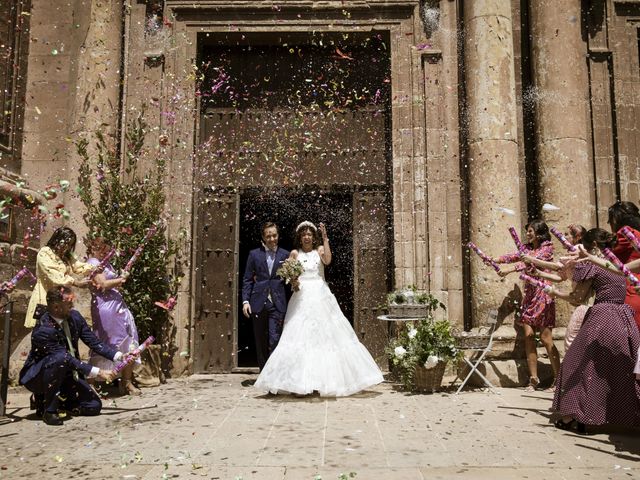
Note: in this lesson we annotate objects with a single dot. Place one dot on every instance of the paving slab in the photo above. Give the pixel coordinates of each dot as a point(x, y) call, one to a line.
point(220, 427)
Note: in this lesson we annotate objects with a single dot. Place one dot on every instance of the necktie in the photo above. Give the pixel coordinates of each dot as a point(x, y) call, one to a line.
point(271, 259)
point(72, 351)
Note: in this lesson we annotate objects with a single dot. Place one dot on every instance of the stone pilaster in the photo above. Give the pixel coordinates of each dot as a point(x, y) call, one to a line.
point(97, 95)
point(560, 98)
point(492, 143)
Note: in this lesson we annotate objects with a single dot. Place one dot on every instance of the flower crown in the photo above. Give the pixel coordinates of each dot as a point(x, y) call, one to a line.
point(306, 223)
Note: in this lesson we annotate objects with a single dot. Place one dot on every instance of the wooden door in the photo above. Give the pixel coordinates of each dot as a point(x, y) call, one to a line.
point(371, 267)
point(216, 282)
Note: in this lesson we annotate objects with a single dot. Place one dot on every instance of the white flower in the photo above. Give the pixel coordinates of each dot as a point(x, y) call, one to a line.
point(412, 333)
point(432, 361)
point(399, 351)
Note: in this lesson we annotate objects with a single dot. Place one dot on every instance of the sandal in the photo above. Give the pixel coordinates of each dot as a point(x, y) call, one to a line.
point(533, 384)
point(128, 388)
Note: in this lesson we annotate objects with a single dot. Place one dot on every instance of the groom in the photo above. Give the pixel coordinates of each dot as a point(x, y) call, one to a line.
point(263, 294)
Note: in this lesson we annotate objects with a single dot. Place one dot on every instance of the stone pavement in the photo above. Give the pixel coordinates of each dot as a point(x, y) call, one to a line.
point(219, 427)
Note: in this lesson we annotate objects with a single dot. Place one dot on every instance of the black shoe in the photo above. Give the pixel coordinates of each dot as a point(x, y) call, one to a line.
point(84, 412)
point(51, 418)
point(36, 405)
point(581, 428)
point(562, 425)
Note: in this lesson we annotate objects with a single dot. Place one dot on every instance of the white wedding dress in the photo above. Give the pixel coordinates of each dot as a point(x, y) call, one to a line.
point(318, 349)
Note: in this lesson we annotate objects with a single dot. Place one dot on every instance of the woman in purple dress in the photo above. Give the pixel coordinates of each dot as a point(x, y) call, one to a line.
point(596, 384)
point(112, 320)
point(537, 310)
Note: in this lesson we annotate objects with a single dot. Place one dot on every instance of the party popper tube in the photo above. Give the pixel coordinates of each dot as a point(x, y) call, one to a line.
point(485, 258)
point(516, 239)
point(532, 280)
point(16, 278)
point(626, 231)
point(102, 265)
point(622, 267)
point(152, 230)
point(133, 355)
point(563, 240)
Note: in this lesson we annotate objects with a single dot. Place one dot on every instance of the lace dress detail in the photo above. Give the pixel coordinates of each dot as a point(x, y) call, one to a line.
point(318, 349)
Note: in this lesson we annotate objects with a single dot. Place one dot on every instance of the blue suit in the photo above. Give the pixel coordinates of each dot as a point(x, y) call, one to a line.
point(266, 295)
point(48, 370)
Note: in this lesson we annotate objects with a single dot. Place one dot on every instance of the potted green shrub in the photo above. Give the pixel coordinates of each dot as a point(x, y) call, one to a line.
point(420, 352)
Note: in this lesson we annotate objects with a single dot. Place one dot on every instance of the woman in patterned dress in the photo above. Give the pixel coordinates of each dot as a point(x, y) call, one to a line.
point(596, 382)
point(575, 233)
point(538, 310)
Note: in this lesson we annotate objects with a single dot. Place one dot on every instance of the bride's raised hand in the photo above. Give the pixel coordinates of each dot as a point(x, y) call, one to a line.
point(323, 230)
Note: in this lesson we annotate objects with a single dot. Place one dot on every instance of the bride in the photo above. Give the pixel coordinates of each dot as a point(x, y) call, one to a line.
point(318, 349)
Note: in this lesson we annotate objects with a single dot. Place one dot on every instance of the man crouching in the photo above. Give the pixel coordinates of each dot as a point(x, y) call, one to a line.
point(53, 370)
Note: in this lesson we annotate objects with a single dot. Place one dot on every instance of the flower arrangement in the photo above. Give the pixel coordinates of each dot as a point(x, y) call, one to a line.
point(290, 271)
point(410, 303)
point(423, 343)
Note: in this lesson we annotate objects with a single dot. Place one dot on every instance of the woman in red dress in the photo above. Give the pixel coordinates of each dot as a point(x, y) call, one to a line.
point(538, 310)
point(626, 214)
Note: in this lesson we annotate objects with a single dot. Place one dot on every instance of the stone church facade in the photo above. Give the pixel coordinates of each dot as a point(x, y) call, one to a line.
point(480, 113)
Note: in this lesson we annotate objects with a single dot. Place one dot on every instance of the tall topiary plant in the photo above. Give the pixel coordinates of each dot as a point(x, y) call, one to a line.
point(122, 200)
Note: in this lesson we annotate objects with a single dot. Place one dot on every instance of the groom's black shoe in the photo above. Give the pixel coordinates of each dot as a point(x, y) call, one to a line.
point(36, 403)
point(52, 418)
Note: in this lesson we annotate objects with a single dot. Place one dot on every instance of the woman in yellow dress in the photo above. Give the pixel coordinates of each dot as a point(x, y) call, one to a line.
point(55, 264)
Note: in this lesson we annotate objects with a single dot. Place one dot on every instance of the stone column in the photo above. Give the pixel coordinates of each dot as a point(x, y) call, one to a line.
point(561, 100)
point(97, 95)
point(494, 180)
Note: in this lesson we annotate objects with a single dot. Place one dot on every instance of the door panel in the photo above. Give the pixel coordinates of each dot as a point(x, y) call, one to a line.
point(371, 266)
point(214, 328)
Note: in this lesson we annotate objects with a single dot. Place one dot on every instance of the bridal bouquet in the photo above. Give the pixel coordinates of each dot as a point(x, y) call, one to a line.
point(290, 270)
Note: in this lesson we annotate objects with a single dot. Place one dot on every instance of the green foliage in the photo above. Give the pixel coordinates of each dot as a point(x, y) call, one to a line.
point(422, 343)
point(122, 203)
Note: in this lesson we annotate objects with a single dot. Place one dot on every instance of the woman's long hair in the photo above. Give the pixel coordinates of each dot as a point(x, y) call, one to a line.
point(623, 214)
point(597, 237)
point(541, 230)
point(63, 235)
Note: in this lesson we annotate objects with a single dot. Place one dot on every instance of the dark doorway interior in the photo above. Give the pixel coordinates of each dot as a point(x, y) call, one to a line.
point(287, 207)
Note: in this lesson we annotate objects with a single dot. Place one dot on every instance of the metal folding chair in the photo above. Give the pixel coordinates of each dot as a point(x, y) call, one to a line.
point(479, 353)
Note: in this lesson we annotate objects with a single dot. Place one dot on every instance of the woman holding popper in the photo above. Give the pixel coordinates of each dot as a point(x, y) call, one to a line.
point(112, 320)
point(56, 265)
point(537, 310)
point(573, 237)
point(596, 382)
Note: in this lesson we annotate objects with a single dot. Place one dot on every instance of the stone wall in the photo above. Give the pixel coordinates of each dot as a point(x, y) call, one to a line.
point(496, 111)
point(14, 256)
